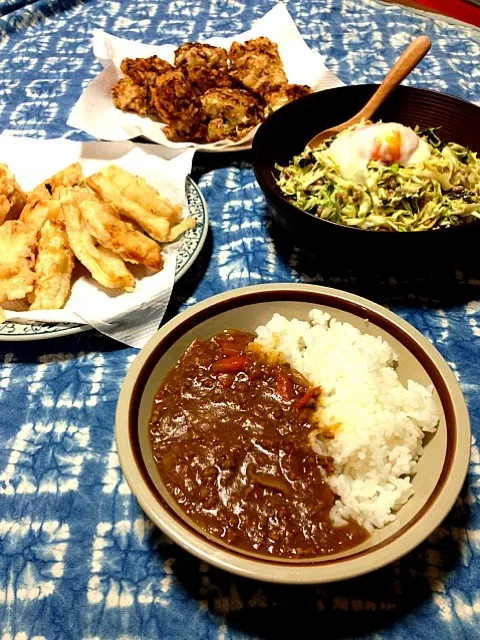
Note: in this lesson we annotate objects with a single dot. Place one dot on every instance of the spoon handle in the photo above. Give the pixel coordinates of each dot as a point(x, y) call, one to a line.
point(409, 59)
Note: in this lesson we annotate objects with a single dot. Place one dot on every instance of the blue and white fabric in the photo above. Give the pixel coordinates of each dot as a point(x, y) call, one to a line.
point(78, 558)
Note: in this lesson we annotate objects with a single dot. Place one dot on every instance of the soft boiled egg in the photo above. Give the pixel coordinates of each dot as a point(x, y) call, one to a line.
point(386, 142)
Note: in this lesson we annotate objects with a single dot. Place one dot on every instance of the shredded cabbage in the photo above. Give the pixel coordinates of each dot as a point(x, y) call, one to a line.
point(443, 191)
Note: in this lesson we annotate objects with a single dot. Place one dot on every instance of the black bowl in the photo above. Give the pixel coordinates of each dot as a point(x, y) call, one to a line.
point(286, 132)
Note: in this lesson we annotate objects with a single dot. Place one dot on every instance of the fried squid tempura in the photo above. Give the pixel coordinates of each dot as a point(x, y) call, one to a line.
point(12, 198)
point(177, 230)
point(104, 223)
point(17, 246)
point(134, 198)
point(54, 265)
point(106, 268)
point(71, 176)
point(63, 219)
point(36, 212)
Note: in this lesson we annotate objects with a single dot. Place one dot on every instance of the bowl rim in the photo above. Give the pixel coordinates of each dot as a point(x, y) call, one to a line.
point(278, 197)
point(407, 538)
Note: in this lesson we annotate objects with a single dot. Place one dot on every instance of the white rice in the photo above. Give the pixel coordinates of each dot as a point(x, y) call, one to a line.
point(378, 423)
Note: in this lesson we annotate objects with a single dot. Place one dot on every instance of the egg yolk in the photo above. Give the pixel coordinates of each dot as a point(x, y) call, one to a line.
point(388, 147)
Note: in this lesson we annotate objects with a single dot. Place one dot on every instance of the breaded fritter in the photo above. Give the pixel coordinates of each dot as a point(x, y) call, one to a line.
point(230, 113)
point(12, 198)
point(137, 68)
point(171, 97)
point(130, 93)
point(210, 94)
point(257, 65)
point(130, 96)
point(283, 94)
point(205, 66)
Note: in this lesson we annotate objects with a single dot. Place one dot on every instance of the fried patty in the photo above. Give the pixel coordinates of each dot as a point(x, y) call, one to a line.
point(131, 92)
point(137, 68)
point(210, 94)
point(172, 98)
point(229, 113)
point(130, 96)
point(257, 65)
point(204, 65)
point(283, 94)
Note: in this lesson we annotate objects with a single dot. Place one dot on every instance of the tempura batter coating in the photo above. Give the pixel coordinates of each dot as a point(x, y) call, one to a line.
point(64, 219)
point(134, 198)
point(257, 65)
point(230, 113)
point(181, 227)
point(104, 223)
point(106, 268)
point(130, 96)
point(204, 65)
point(12, 198)
point(36, 212)
point(171, 97)
point(53, 267)
point(71, 176)
point(17, 259)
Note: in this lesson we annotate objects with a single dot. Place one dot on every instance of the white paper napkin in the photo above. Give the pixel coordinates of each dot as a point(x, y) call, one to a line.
point(95, 113)
point(129, 317)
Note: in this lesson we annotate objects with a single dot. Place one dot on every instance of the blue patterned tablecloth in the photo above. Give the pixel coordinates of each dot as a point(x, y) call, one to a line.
point(78, 558)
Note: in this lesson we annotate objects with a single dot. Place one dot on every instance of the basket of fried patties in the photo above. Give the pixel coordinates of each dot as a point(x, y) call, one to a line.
point(209, 94)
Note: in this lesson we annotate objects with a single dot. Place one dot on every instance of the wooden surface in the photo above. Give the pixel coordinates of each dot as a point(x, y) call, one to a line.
point(414, 5)
point(467, 11)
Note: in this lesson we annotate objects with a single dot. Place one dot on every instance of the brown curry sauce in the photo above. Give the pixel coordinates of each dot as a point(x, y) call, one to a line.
point(230, 436)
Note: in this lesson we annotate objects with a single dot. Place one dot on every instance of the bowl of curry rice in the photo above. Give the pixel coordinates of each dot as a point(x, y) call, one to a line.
point(293, 433)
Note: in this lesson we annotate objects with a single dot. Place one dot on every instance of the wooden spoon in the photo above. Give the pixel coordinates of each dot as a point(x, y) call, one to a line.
point(400, 70)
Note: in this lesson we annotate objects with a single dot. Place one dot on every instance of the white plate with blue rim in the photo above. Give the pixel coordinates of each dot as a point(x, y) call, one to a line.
point(190, 245)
